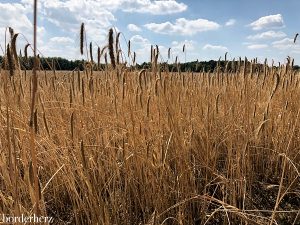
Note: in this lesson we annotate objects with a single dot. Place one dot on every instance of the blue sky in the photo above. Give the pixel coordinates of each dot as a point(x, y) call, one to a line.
point(208, 28)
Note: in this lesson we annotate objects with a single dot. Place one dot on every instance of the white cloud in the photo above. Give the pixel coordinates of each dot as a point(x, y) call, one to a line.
point(60, 46)
point(138, 39)
point(284, 41)
point(62, 40)
point(268, 22)
point(284, 44)
point(189, 45)
point(133, 28)
point(156, 7)
point(177, 47)
point(88, 12)
point(230, 22)
point(183, 26)
point(15, 15)
point(267, 35)
point(141, 46)
point(153, 7)
point(98, 16)
point(257, 46)
point(67, 15)
point(247, 43)
point(215, 47)
point(287, 46)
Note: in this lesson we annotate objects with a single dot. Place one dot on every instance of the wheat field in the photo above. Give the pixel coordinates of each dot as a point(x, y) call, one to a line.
point(120, 145)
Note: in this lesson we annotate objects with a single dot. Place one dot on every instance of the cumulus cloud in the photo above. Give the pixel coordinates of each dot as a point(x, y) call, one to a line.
point(215, 47)
point(257, 46)
point(133, 28)
point(62, 40)
point(177, 47)
point(268, 22)
point(141, 46)
point(138, 39)
point(267, 35)
point(97, 19)
point(15, 15)
point(156, 7)
point(183, 26)
point(284, 44)
point(287, 46)
point(59, 46)
point(153, 7)
point(230, 22)
point(98, 16)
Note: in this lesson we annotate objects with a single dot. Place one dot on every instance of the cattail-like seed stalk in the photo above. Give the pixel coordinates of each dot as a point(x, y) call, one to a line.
point(14, 49)
point(11, 32)
point(26, 51)
point(10, 61)
point(117, 47)
point(128, 48)
point(91, 52)
point(134, 58)
point(81, 38)
point(98, 57)
point(111, 47)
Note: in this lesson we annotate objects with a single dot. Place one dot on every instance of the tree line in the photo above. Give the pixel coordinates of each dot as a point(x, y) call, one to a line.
point(58, 63)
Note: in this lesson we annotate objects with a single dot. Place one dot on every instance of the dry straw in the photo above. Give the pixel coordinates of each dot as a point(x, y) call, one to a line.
point(143, 124)
point(32, 116)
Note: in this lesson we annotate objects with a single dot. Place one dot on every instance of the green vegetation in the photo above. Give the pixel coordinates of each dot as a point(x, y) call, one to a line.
point(69, 65)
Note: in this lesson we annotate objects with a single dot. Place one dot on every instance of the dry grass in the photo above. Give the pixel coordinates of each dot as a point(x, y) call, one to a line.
point(123, 147)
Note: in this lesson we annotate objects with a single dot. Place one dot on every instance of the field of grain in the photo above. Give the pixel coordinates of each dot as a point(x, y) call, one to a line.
point(126, 146)
point(137, 147)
